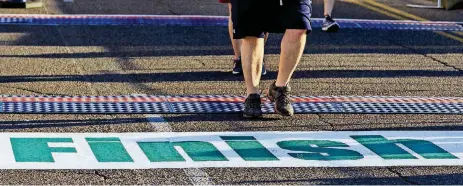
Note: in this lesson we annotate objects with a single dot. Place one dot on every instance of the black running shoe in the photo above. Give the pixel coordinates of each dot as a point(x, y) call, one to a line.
point(281, 97)
point(330, 25)
point(252, 107)
point(237, 68)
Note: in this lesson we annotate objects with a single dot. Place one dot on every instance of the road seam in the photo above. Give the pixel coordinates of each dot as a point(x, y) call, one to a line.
point(404, 178)
point(427, 56)
point(196, 175)
point(69, 51)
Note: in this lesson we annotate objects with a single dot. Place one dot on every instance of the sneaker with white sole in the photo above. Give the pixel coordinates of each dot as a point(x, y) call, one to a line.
point(330, 25)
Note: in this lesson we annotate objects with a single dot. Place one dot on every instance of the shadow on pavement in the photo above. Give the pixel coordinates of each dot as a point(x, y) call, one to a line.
point(143, 41)
point(67, 123)
point(440, 179)
point(225, 76)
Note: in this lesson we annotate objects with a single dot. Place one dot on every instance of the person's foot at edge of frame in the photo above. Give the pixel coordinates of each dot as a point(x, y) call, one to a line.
point(238, 69)
point(330, 25)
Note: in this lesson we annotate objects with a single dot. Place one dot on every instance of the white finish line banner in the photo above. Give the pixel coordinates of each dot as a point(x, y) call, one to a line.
point(229, 149)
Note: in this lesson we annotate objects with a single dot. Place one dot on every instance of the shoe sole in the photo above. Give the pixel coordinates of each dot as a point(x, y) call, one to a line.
point(331, 28)
point(275, 106)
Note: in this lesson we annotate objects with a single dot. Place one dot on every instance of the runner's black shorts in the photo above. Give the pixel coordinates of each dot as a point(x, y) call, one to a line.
point(256, 17)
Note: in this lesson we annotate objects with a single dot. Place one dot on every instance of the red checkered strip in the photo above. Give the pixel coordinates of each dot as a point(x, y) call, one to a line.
point(216, 98)
point(44, 16)
point(374, 99)
point(400, 22)
point(84, 99)
point(331, 99)
point(38, 16)
point(206, 99)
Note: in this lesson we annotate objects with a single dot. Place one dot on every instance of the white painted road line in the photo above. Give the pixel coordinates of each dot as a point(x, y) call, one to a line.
point(159, 123)
point(196, 175)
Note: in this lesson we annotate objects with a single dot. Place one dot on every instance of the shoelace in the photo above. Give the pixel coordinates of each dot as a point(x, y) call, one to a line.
point(284, 96)
point(255, 104)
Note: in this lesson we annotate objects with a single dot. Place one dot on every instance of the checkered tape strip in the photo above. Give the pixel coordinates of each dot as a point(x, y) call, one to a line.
point(387, 99)
point(212, 98)
point(222, 98)
point(206, 98)
point(82, 99)
point(234, 107)
point(81, 108)
point(226, 104)
point(395, 25)
point(206, 104)
point(197, 20)
point(401, 25)
point(403, 108)
point(157, 20)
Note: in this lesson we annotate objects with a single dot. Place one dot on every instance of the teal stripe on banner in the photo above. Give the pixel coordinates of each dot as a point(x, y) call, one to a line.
point(1, 106)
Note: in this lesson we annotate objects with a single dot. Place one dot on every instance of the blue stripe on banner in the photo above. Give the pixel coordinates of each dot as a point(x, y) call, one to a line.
point(187, 20)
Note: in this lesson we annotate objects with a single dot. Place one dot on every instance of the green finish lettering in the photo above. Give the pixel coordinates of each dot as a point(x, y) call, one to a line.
point(165, 151)
point(109, 150)
point(388, 149)
point(37, 149)
point(319, 150)
point(249, 148)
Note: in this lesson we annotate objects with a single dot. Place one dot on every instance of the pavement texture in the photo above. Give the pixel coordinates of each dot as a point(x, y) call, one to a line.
point(122, 60)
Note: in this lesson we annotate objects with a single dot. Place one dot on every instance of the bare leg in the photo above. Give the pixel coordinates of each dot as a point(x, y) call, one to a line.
point(292, 47)
point(328, 7)
point(252, 56)
point(236, 43)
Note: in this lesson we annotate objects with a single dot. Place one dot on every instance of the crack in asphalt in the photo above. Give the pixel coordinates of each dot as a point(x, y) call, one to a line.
point(33, 91)
point(427, 56)
point(95, 172)
point(321, 119)
point(101, 175)
point(404, 178)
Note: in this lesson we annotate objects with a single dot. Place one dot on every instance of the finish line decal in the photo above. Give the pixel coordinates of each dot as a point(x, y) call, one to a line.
point(198, 20)
point(225, 104)
point(230, 149)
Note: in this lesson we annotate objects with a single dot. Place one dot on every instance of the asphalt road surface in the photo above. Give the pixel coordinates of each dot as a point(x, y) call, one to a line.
point(123, 60)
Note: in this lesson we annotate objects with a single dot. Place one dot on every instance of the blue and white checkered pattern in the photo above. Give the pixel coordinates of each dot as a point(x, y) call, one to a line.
point(226, 104)
point(206, 107)
point(233, 107)
point(84, 108)
point(186, 20)
point(401, 108)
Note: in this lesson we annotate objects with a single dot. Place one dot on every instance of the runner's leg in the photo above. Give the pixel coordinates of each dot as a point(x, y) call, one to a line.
point(292, 47)
point(252, 57)
point(328, 7)
point(236, 43)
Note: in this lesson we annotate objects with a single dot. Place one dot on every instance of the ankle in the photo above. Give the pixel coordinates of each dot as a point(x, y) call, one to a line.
point(254, 95)
point(280, 84)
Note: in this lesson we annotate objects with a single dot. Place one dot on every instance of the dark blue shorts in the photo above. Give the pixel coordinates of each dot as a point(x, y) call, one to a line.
point(256, 17)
